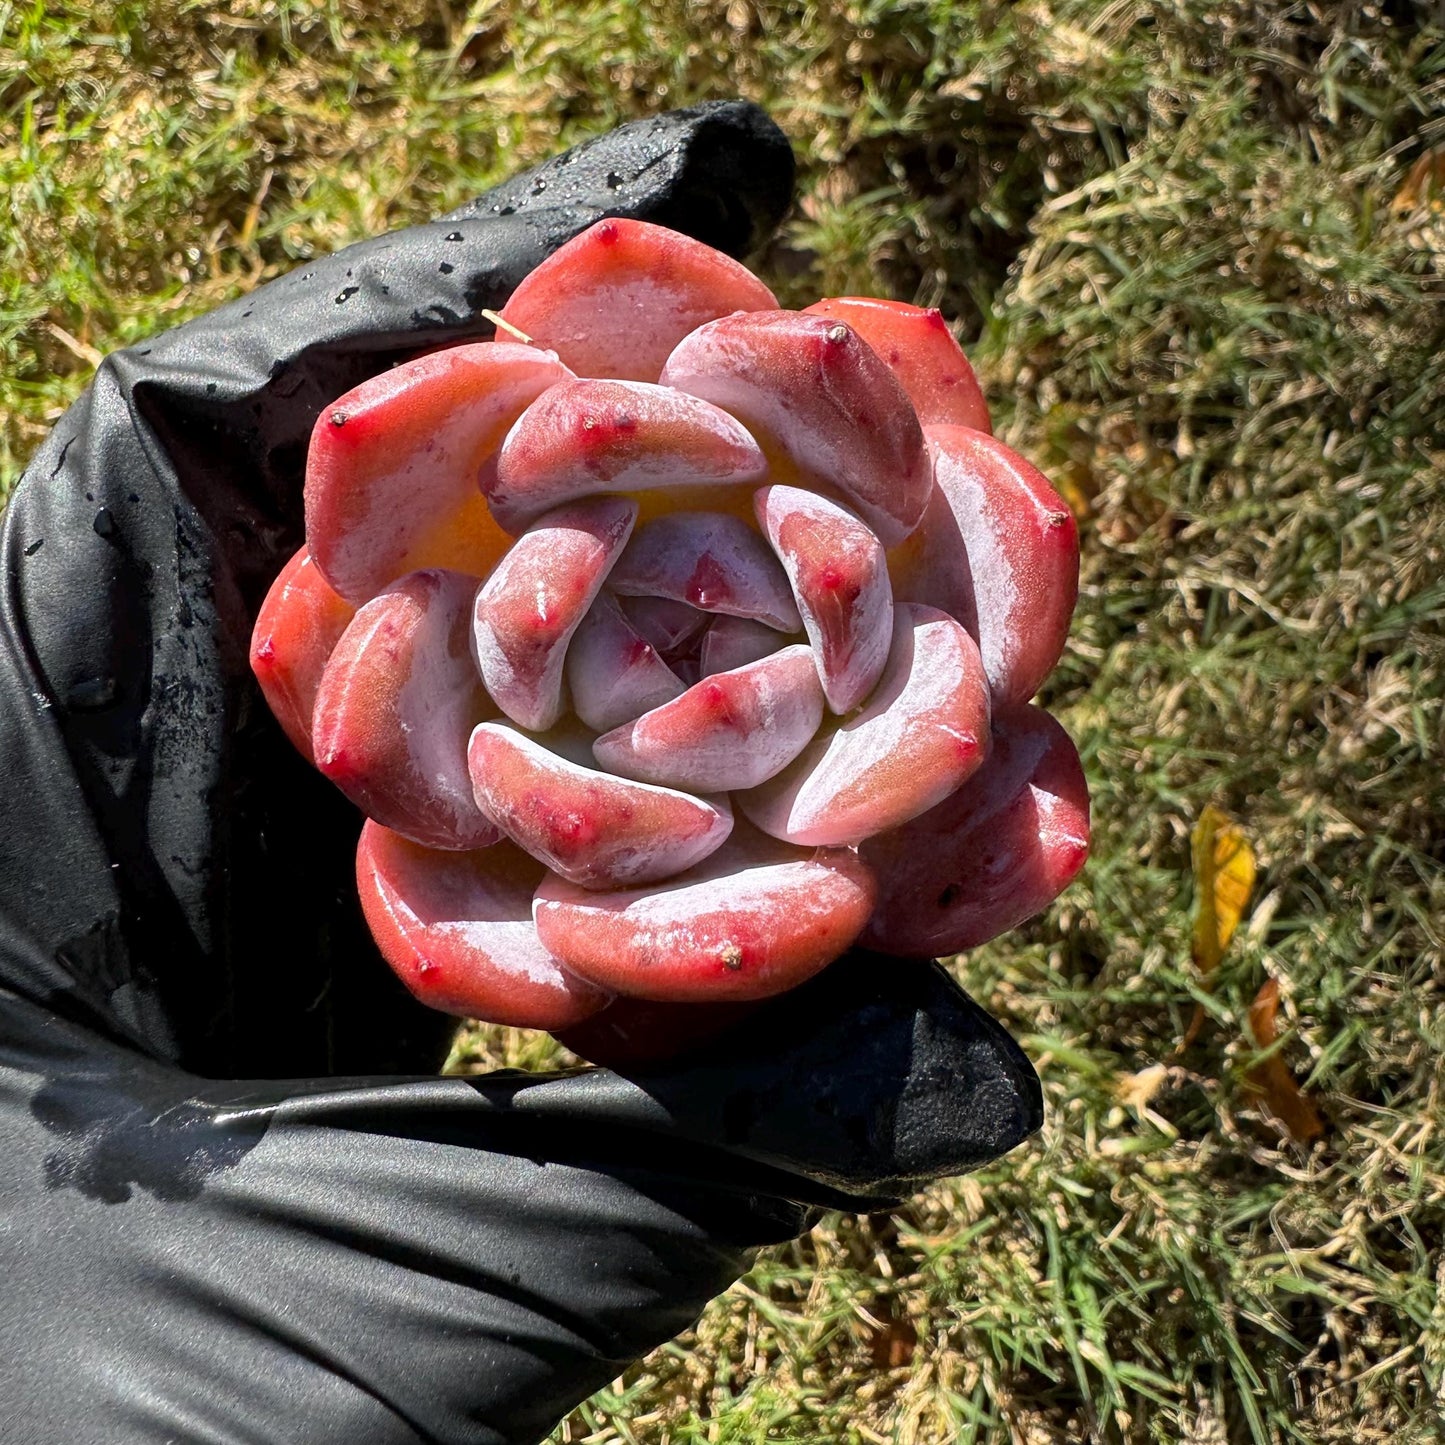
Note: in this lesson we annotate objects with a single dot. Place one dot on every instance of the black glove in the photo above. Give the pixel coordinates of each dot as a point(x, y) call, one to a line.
point(223, 1215)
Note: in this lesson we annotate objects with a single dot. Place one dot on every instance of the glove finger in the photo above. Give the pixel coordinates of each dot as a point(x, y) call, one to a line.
point(722, 172)
point(870, 1079)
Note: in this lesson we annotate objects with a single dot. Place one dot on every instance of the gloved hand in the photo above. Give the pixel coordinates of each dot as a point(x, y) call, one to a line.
point(235, 1201)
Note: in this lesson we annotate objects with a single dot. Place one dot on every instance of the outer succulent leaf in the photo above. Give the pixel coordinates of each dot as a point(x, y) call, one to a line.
point(457, 930)
point(733, 730)
point(1000, 550)
point(528, 609)
point(734, 641)
point(992, 855)
point(932, 567)
point(614, 673)
point(839, 576)
point(811, 387)
point(753, 920)
point(711, 561)
point(581, 438)
point(393, 470)
point(397, 703)
point(299, 625)
point(595, 830)
point(922, 733)
point(918, 348)
point(615, 300)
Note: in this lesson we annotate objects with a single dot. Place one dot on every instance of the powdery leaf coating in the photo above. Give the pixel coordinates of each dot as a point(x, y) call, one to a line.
point(528, 609)
point(393, 468)
point(397, 702)
point(732, 730)
point(593, 829)
point(580, 438)
point(615, 300)
point(839, 576)
point(457, 930)
point(711, 561)
point(755, 919)
point(811, 387)
point(918, 348)
point(733, 641)
point(298, 626)
point(992, 855)
point(613, 672)
point(1000, 550)
point(922, 733)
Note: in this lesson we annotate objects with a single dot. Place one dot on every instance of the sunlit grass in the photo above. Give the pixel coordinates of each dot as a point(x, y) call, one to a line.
point(1175, 239)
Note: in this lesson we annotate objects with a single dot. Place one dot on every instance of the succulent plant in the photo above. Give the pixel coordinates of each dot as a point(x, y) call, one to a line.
point(672, 643)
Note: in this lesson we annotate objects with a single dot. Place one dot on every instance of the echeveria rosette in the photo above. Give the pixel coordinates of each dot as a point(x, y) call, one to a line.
point(673, 642)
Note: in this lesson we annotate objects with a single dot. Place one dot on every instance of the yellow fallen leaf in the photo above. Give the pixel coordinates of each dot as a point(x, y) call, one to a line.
point(1223, 864)
point(1223, 881)
point(1271, 1078)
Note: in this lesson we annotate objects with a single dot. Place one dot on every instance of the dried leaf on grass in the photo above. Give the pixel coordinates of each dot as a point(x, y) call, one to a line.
point(1223, 881)
point(1424, 185)
point(892, 1344)
point(1271, 1079)
point(1223, 863)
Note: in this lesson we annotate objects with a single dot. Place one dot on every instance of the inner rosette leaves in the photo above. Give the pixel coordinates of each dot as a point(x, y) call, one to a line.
point(672, 641)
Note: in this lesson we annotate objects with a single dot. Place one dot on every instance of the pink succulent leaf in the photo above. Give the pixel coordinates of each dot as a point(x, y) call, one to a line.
point(613, 672)
point(595, 830)
point(811, 388)
point(730, 642)
point(298, 627)
point(397, 702)
point(839, 575)
point(756, 918)
point(918, 348)
point(581, 438)
point(615, 300)
point(1001, 551)
point(528, 609)
point(993, 854)
point(457, 929)
point(396, 462)
point(731, 730)
point(711, 561)
point(923, 731)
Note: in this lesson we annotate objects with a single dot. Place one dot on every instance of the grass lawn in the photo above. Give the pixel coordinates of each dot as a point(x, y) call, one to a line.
point(1197, 251)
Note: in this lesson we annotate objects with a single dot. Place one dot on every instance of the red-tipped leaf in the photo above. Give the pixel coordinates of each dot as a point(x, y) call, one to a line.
point(998, 851)
point(457, 930)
